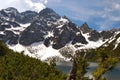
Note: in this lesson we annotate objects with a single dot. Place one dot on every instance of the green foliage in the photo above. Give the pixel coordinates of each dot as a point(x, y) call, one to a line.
point(16, 66)
point(117, 52)
point(103, 78)
point(106, 63)
point(2, 49)
point(90, 56)
point(82, 65)
point(52, 63)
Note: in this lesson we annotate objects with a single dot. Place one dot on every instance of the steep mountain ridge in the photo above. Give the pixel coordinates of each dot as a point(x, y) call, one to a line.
point(42, 35)
point(112, 46)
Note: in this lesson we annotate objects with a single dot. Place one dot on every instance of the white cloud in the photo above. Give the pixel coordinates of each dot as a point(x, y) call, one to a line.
point(35, 5)
point(117, 6)
point(23, 5)
point(46, 1)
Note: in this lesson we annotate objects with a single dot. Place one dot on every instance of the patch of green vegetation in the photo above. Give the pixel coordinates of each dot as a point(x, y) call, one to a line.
point(106, 63)
point(16, 66)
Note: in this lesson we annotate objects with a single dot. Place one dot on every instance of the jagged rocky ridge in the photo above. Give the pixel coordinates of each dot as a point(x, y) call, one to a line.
point(29, 29)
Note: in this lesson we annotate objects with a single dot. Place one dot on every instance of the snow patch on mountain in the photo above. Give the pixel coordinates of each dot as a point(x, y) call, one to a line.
point(118, 40)
point(116, 43)
point(113, 38)
point(62, 21)
point(25, 25)
point(2, 32)
point(5, 23)
point(60, 26)
point(49, 34)
point(46, 52)
point(18, 47)
point(36, 50)
point(91, 44)
point(18, 29)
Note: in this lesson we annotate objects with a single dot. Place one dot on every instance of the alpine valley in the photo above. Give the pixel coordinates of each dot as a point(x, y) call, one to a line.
point(41, 35)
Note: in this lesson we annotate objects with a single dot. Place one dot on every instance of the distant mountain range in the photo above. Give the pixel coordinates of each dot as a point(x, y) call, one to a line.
point(42, 35)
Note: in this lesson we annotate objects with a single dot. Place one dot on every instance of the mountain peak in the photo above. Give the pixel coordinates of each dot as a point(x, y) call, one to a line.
point(85, 28)
point(85, 25)
point(10, 10)
point(47, 13)
point(48, 10)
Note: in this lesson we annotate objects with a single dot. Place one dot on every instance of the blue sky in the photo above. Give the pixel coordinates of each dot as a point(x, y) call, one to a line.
point(99, 14)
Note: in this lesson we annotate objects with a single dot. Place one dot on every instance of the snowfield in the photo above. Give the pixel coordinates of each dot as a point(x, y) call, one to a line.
point(91, 44)
point(36, 50)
